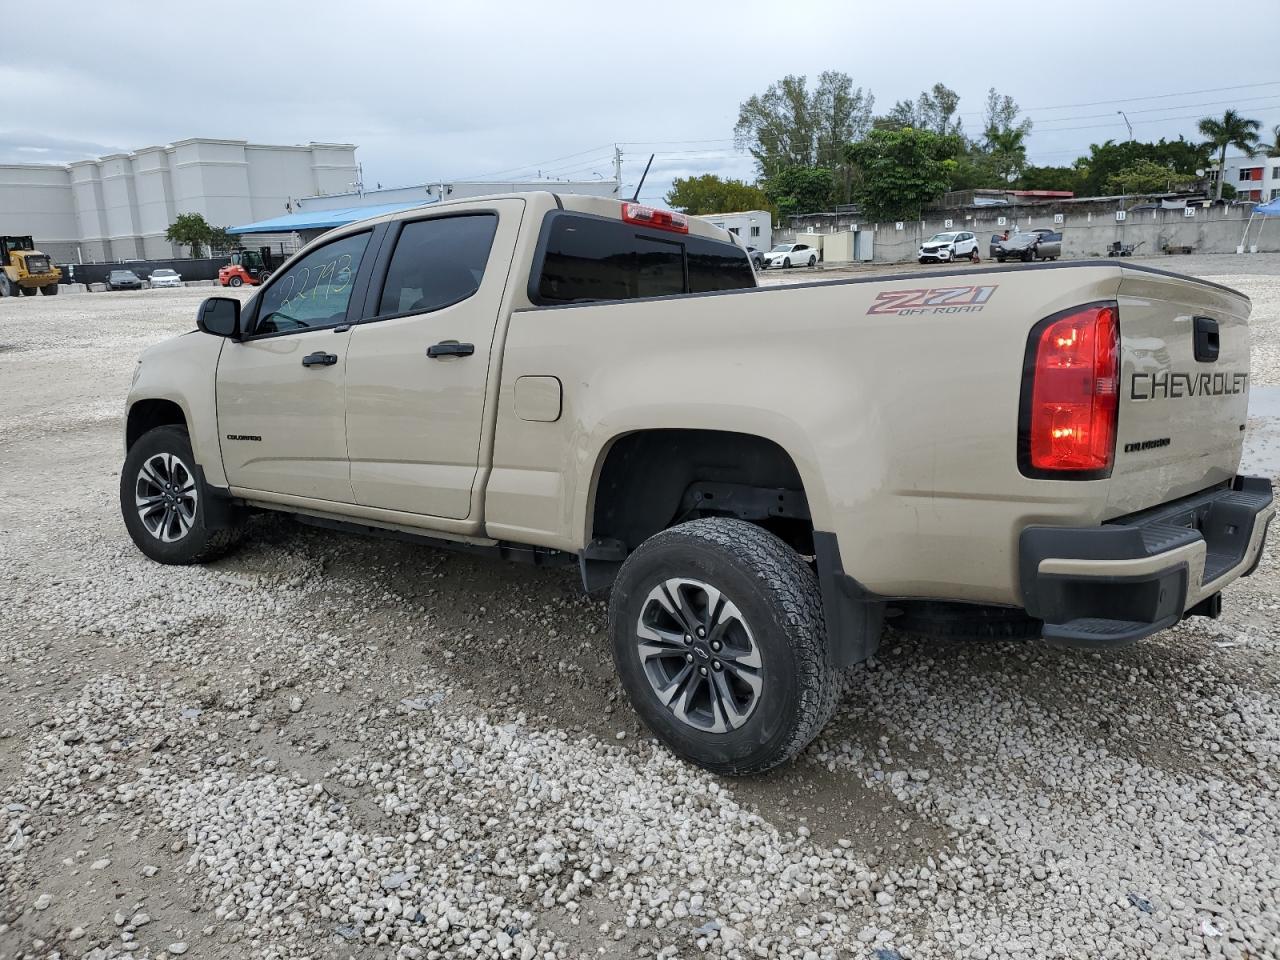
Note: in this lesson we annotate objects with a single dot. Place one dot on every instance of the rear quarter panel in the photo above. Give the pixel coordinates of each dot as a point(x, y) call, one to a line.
point(897, 399)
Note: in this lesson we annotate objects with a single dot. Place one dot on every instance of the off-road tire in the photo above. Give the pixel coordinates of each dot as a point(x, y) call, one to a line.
point(50, 290)
point(778, 596)
point(28, 291)
point(202, 543)
point(941, 620)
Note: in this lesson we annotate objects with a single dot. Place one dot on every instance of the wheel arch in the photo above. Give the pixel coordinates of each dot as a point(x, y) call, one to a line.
point(151, 412)
point(646, 480)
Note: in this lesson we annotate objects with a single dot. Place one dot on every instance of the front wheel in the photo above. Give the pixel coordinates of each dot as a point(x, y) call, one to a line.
point(165, 503)
point(50, 291)
point(28, 291)
point(236, 282)
point(786, 264)
point(718, 638)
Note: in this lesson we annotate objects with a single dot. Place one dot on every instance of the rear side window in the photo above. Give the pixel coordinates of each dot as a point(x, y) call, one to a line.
point(595, 258)
point(437, 263)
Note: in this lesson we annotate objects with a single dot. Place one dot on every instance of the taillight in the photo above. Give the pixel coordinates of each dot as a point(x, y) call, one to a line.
point(1070, 395)
point(638, 213)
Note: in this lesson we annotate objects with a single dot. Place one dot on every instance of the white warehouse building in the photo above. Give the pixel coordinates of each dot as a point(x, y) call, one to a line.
point(755, 227)
point(118, 207)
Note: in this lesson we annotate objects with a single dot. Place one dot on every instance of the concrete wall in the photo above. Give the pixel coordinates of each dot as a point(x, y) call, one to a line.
point(118, 207)
point(1088, 229)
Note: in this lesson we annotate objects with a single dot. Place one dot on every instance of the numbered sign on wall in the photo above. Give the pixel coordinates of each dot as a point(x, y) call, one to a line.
point(1188, 211)
point(1001, 221)
point(1057, 218)
point(1120, 216)
point(946, 224)
point(898, 225)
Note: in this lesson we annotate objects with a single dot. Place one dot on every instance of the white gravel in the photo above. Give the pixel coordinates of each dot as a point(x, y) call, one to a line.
point(333, 747)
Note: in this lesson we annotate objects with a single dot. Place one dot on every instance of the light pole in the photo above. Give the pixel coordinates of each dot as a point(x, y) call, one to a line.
point(1126, 123)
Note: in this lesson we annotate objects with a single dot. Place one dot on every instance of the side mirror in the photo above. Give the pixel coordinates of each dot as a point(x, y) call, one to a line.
point(219, 316)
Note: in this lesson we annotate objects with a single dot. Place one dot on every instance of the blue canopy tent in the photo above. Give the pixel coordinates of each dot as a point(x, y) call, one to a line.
point(1269, 209)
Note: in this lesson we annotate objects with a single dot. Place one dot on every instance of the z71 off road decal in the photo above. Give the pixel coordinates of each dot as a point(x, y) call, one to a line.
point(908, 303)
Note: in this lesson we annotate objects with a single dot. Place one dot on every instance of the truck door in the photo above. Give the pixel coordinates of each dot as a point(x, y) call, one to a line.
point(419, 364)
point(281, 389)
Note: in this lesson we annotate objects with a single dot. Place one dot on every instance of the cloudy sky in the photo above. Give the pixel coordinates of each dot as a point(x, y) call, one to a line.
point(482, 90)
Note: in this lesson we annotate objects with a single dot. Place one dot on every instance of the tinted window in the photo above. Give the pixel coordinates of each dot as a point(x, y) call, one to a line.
point(717, 266)
point(315, 290)
point(588, 258)
point(437, 263)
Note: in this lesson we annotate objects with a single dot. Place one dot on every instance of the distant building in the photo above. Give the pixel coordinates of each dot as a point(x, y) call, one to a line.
point(755, 227)
point(309, 217)
point(118, 207)
point(1255, 178)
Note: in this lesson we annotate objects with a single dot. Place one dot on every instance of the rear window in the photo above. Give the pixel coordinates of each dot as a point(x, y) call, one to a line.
point(595, 258)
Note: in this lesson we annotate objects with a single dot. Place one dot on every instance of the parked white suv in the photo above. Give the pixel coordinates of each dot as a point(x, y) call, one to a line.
point(949, 247)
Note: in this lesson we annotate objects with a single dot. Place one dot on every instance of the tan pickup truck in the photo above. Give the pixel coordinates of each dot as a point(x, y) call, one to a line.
point(761, 476)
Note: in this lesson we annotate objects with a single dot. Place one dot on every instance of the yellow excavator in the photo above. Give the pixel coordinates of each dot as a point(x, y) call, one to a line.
point(25, 270)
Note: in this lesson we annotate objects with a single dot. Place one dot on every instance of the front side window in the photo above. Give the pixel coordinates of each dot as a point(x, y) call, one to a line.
point(437, 263)
point(315, 291)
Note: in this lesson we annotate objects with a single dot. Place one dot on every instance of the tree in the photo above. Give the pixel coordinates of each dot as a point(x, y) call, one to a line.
point(710, 194)
point(787, 126)
point(1232, 130)
point(800, 190)
point(1272, 149)
point(222, 241)
point(899, 171)
point(1105, 160)
point(1004, 136)
point(933, 110)
point(1146, 176)
point(190, 230)
point(1054, 178)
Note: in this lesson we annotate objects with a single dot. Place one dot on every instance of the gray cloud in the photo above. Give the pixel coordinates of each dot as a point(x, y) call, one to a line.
point(445, 91)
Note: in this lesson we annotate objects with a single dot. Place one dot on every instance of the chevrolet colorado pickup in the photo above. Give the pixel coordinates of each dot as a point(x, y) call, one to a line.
point(759, 474)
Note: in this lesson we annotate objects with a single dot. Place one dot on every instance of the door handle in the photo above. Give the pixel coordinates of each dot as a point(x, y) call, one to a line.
point(319, 359)
point(451, 348)
point(1206, 339)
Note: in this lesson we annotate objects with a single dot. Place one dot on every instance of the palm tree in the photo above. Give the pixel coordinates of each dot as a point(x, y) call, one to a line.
point(1272, 149)
point(1232, 130)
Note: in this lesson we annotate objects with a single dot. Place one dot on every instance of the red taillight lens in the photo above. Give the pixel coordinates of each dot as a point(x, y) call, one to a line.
point(660, 219)
point(1068, 422)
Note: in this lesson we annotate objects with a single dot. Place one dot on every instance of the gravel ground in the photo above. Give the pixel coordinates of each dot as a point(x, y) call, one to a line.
point(331, 747)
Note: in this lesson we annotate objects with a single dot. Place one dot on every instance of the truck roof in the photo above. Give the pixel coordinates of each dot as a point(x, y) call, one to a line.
point(578, 203)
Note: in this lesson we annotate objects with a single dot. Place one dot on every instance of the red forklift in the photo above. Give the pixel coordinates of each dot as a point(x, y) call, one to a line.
point(253, 267)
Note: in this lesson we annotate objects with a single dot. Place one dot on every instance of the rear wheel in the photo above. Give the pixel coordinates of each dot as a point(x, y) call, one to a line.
point(165, 503)
point(50, 291)
point(718, 637)
point(813, 261)
point(973, 256)
point(28, 291)
point(1028, 256)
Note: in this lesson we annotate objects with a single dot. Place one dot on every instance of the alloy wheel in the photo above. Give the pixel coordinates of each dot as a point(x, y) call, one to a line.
point(166, 497)
point(699, 655)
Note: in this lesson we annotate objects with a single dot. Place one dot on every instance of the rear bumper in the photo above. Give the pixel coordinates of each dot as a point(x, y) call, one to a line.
point(1114, 584)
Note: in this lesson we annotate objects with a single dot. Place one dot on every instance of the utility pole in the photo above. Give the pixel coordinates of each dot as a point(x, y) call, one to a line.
point(617, 169)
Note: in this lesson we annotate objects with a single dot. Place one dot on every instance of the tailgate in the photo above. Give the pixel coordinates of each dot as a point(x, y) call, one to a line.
point(1182, 418)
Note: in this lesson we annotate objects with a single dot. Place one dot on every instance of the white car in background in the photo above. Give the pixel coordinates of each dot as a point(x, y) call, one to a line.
point(791, 255)
point(949, 247)
point(165, 277)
